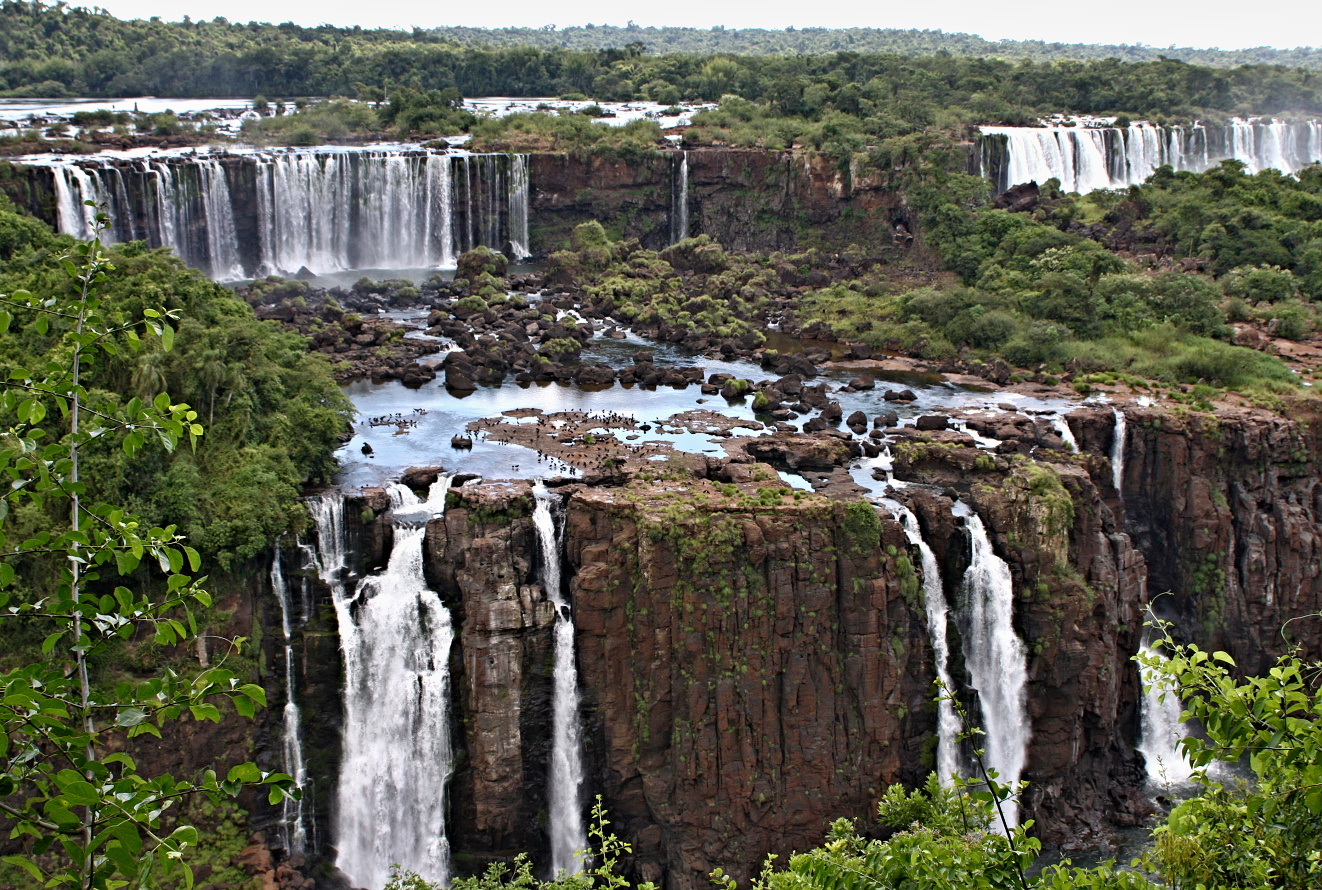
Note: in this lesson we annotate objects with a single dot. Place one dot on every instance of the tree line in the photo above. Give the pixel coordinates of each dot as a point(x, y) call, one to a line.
point(56, 51)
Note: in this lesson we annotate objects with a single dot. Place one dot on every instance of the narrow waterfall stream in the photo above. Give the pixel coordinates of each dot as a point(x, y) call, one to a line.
point(520, 244)
point(1118, 453)
point(679, 210)
point(568, 834)
point(1062, 426)
point(996, 659)
point(294, 825)
point(395, 635)
point(938, 611)
point(1162, 729)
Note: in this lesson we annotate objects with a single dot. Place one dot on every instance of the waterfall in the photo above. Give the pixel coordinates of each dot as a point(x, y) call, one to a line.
point(294, 827)
point(1084, 158)
point(934, 596)
point(519, 242)
point(1162, 729)
point(568, 835)
point(1118, 452)
point(995, 657)
point(324, 210)
point(679, 199)
point(1062, 426)
point(395, 635)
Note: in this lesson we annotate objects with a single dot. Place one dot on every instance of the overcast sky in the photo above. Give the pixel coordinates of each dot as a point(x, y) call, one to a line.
point(1280, 23)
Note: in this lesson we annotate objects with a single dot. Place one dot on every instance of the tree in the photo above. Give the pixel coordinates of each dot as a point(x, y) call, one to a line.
point(91, 819)
point(1261, 833)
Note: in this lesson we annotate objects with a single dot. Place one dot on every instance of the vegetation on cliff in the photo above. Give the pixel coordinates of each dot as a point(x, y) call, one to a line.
point(80, 812)
point(272, 412)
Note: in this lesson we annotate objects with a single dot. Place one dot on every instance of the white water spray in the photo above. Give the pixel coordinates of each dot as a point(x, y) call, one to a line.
point(995, 657)
point(1062, 427)
point(395, 635)
point(1118, 452)
point(679, 211)
point(519, 241)
point(568, 835)
point(938, 611)
point(1162, 729)
point(294, 826)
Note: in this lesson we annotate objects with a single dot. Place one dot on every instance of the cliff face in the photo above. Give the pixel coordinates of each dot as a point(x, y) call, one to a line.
point(1226, 509)
point(481, 557)
point(754, 666)
point(745, 199)
point(749, 674)
point(1079, 592)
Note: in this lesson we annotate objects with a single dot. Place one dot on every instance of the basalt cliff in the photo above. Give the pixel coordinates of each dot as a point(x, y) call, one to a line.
point(755, 664)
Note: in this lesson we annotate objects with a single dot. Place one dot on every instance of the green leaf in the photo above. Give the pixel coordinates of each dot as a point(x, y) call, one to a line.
point(247, 773)
point(130, 717)
point(26, 864)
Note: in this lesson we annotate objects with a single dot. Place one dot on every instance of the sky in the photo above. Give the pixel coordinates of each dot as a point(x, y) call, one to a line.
point(1209, 23)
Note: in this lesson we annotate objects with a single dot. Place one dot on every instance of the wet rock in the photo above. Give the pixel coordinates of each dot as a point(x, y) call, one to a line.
point(933, 422)
point(900, 395)
point(886, 420)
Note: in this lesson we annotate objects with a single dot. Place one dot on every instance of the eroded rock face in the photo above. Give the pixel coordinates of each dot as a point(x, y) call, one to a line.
point(1226, 508)
point(481, 558)
point(748, 673)
point(1079, 591)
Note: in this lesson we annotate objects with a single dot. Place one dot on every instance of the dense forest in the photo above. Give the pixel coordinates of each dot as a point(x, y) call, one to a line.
point(56, 51)
point(904, 42)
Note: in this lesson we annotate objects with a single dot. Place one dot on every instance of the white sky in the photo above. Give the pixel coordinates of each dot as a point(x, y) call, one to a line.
point(1209, 23)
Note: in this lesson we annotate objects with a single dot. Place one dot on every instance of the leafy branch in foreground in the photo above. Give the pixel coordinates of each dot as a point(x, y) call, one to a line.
point(86, 815)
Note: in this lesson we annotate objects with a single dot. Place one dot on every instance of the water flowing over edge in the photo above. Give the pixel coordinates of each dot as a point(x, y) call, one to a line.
point(679, 199)
point(1162, 730)
point(1084, 158)
point(1118, 437)
point(568, 833)
point(938, 611)
point(247, 216)
point(995, 657)
point(395, 636)
point(294, 826)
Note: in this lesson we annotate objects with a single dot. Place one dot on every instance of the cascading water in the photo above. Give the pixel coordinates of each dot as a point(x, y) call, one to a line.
point(995, 657)
point(679, 199)
point(938, 611)
point(1084, 157)
point(325, 210)
point(1162, 729)
point(1118, 452)
point(1062, 426)
point(568, 835)
point(294, 826)
point(395, 635)
point(519, 241)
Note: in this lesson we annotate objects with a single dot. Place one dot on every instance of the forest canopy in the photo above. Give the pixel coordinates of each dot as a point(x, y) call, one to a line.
point(55, 51)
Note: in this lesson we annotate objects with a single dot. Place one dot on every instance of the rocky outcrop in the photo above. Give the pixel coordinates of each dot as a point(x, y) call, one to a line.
point(749, 672)
point(1079, 591)
point(1226, 508)
point(481, 557)
point(746, 199)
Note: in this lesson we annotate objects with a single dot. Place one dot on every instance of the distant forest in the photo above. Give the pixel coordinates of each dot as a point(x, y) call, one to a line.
point(56, 51)
point(910, 42)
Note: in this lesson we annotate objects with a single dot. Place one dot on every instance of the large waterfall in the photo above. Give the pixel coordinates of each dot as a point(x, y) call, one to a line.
point(1162, 729)
point(995, 657)
point(1084, 157)
point(294, 827)
point(568, 835)
point(938, 610)
point(325, 210)
point(679, 199)
point(395, 635)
